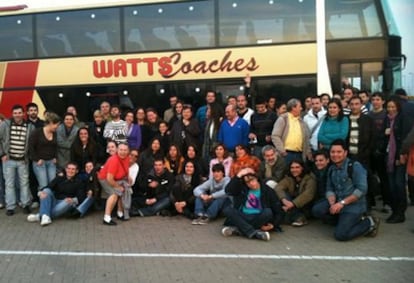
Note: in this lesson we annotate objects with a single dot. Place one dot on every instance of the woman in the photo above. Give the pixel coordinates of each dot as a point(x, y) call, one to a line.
point(112, 177)
point(147, 157)
point(182, 195)
point(244, 160)
point(210, 133)
point(141, 118)
point(201, 165)
point(43, 150)
point(185, 131)
point(174, 161)
point(334, 126)
point(221, 155)
point(296, 192)
point(83, 149)
point(111, 149)
point(134, 136)
point(178, 112)
point(395, 161)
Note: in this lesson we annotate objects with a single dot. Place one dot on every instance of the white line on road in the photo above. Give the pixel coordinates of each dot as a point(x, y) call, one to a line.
point(206, 256)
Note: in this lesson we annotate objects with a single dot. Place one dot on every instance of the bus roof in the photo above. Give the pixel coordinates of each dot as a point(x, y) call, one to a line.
point(26, 9)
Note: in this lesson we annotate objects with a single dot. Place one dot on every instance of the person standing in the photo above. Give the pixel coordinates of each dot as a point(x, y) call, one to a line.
point(66, 134)
point(116, 129)
point(313, 119)
point(14, 147)
point(290, 134)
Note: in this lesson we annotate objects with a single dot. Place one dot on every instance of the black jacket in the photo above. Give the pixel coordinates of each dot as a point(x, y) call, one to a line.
point(165, 183)
point(63, 187)
point(268, 198)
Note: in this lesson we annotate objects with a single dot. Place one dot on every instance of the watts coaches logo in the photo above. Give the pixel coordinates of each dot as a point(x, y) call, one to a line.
point(170, 67)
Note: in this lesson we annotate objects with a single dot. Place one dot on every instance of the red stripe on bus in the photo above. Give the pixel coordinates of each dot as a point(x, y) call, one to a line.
point(18, 75)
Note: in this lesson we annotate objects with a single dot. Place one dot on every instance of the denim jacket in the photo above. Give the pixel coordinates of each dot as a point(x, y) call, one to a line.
point(341, 185)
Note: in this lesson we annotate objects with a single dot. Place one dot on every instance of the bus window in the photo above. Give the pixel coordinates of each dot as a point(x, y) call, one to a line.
point(16, 37)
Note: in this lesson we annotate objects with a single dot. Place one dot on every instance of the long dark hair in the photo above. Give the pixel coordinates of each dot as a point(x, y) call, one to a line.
point(341, 111)
point(305, 169)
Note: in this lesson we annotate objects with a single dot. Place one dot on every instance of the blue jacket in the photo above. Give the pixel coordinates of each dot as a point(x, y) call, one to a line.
point(331, 129)
point(341, 185)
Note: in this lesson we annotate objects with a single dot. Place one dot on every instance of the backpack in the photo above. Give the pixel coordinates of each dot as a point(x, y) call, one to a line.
point(349, 170)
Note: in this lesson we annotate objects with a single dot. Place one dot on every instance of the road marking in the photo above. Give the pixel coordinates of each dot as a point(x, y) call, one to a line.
point(206, 256)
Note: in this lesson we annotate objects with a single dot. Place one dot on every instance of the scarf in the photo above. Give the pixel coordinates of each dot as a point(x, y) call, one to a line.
point(392, 146)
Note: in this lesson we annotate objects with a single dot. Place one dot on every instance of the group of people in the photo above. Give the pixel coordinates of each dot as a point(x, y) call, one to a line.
point(259, 169)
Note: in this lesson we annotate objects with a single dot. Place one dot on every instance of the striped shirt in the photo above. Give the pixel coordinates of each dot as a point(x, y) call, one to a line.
point(18, 134)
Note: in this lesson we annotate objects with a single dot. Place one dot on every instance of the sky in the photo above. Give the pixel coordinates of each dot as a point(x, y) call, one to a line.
point(402, 11)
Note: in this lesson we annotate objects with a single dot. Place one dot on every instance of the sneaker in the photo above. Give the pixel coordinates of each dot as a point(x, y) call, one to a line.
point(1, 205)
point(9, 212)
point(204, 220)
point(299, 222)
point(45, 220)
point(196, 221)
point(34, 205)
point(264, 236)
point(27, 210)
point(373, 231)
point(33, 217)
point(228, 231)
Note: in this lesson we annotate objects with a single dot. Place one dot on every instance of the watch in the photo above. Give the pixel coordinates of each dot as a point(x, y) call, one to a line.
point(342, 202)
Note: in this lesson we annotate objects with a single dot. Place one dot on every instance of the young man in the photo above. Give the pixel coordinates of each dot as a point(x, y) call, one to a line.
point(60, 196)
point(255, 207)
point(210, 196)
point(116, 128)
point(14, 146)
point(345, 197)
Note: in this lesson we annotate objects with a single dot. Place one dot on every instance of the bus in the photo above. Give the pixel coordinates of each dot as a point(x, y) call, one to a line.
point(138, 53)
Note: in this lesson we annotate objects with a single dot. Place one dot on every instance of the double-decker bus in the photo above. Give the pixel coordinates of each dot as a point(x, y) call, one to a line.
point(140, 52)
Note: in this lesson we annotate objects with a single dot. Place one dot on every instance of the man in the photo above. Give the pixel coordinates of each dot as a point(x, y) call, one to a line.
point(242, 110)
point(210, 196)
point(365, 97)
point(361, 141)
point(201, 114)
point(313, 119)
point(66, 134)
point(378, 166)
point(320, 170)
point(346, 98)
point(169, 113)
point(273, 168)
point(290, 134)
point(155, 190)
point(62, 195)
point(32, 111)
point(14, 138)
point(261, 126)
point(407, 110)
point(255, 207)
point(233, 130)
point(72, 109)
point(345, 197)
point(105, 109)
point(116, 128)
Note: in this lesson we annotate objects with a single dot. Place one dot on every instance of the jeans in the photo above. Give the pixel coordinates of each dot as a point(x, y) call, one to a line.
point(16, 170)
point(293, 155)
point(85, 205)
point(151, 210)
point(44, 173)
point(210, 209)
point(247, 223)
point(53, 207)
point(349, 226)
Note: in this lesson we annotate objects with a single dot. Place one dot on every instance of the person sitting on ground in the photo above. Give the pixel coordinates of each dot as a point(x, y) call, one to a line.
point(320, 171)
point(155, 188)
point(61, 195)
point(182, 192)
point(296, 192)
point(244, 160)
point(272, 169)
point(345, 203)
point(88, 176)
point(210, 196)
point(256, 209)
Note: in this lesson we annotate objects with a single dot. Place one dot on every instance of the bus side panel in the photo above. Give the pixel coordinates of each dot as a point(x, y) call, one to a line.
point(18, 75)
